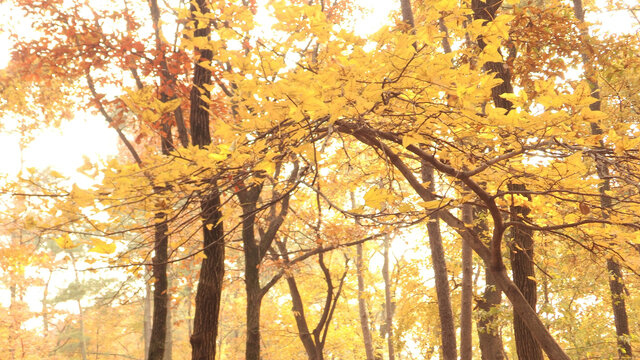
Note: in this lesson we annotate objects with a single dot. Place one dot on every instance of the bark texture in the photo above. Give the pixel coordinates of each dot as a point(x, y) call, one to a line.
point(523, 274)
point(466, 301)
point(209, 290)
point(491, 346)
point(160, 296)
point(168, 344)
point(447, 324)
point(252, 259)
point(254, 253)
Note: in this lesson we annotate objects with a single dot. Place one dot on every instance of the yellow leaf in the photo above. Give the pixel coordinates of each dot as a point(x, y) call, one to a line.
point(491, 53)
point(217, 157)
point(168, 106)
point(267, 166)
point(56, 174)
point(433, 204)
point(375, 198)
point(209, 226)
point(410, 140)
point(65, 242)
point(81, 197)
point(102, 247)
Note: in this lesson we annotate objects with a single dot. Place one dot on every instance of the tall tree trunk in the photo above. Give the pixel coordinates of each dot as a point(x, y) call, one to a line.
point(160, 296)
point(466, 301)
point(522, 253)
point(298, 313)
point(147, 320)
point(248, 200)
point(189, 308)
point(168, 347)
point(388, 301)
point(489, 339)
point(448, 332)
point(209, 291)
point(523, 276)
point(616, 284)
point(362, 305)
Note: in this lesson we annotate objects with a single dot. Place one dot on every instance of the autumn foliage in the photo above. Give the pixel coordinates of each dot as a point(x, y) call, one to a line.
point(294, 182)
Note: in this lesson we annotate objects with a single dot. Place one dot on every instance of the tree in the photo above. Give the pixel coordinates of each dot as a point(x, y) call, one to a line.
point(246, 144)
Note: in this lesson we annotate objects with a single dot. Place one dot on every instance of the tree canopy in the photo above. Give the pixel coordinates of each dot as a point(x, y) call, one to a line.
point(294, 181)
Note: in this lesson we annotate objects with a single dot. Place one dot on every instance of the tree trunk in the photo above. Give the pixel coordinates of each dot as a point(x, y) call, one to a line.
point(616, 284)
point(466, 301)
point(254, 304)
point(168, 345)
point(146, 321)
point(248, 200)
point(362, 305)
point(523, 276)
point(522, 253)
point(301, 321)
point(160, 296)
point(209, 291)
point(388, 301)
point(488, 337)
point(448, 332)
